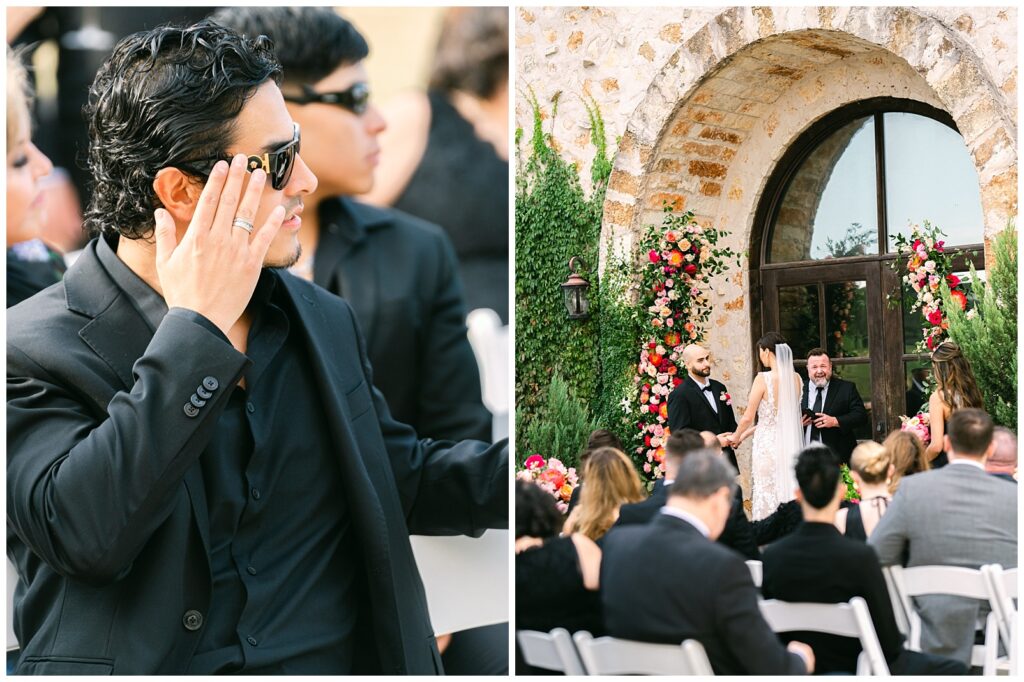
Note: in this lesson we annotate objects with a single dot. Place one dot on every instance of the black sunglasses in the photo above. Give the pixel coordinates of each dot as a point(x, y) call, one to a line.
point(277, 164)
point(356, 98)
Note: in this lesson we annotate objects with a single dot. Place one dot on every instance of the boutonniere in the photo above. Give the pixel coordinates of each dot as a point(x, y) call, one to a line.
point(726, 398)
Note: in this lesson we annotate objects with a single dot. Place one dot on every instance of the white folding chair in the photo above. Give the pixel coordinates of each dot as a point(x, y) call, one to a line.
point(851, 619)
point(898, 608)
point(611, 656)
point(955, 581)
point(756, 571)
point(550, 650)
point(1014, 654)
point(1002, 595)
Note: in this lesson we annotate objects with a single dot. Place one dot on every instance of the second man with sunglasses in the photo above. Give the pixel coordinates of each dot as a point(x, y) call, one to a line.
point(399, 273)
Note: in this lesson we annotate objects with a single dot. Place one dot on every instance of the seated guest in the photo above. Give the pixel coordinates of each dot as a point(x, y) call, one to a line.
point(611, 482)
point(954, 516)
point(907, 454)
point(556, 577)
point(705, 590)
point(872, 470)
point(599, 438)
point(1002, 463)
point(817, 564)
point(677, 446)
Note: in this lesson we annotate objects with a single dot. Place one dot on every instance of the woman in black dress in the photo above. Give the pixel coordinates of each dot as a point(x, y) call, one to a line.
point(872, 470)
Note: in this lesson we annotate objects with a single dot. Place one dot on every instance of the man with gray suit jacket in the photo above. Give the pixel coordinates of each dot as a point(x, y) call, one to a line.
point(954, 516)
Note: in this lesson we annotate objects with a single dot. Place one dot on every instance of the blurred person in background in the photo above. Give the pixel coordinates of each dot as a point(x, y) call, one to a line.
point(31, 264)
point(599, 438)
point(445, 154)
point(1002, 463)
point(611, 482)
point(955, 389)
point(399, 273)
point(907, 454)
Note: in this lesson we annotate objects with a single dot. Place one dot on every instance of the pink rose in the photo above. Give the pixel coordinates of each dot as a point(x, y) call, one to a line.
point(534, 461)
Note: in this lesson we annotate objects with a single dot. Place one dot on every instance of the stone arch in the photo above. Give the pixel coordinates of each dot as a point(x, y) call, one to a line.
point(727, 105)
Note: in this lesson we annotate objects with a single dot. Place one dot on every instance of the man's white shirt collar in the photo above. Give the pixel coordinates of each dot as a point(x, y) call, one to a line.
point(964, 460)
point(689, 518)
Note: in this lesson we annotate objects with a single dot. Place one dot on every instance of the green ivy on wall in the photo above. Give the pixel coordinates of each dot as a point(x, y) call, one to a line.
point(555, 220)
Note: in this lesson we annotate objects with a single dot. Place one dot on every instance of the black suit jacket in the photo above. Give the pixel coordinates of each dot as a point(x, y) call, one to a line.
point(738, 533)
point(844, 403)
point(400, 276)
point(689, 409)
point(815, 563)
point(700, 590)
point(107, 514)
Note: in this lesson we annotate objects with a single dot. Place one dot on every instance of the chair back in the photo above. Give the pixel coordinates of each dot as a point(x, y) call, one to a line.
point(756, 571)
point(846, 620)
point(550, 650)
point(612, 656)
point(898, 607)
point(1002, 593)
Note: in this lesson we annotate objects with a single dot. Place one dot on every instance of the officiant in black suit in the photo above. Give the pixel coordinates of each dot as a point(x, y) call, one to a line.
point(701, 403)
point(838, 408)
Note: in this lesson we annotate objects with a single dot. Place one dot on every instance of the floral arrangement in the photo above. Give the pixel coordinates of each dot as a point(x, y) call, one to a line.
point(919, 425)
point(551, 475)
point(679, 259)
point(852, 494)
point(927, 264)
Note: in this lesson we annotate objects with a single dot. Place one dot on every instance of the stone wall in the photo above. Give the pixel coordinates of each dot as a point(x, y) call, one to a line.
point(704, 102)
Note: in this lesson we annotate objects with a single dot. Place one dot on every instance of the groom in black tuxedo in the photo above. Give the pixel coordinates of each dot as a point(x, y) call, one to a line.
point(701, 403)
point(838, 408)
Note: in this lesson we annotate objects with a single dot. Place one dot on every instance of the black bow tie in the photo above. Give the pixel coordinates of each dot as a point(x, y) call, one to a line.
point(707, 388)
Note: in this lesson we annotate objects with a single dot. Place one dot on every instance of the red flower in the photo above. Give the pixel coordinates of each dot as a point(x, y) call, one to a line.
point(690, 269)
point(654, 256)
point(930, 342)
point(534, 461)
point(939, 246)
point(917, 243)
point(672, 339)
point(553, 476)
point(935, 317)
point(652, 408)
point(647, 441)
point(953, 281)
point(654, 359)
point(676, 381)
point(960, 298)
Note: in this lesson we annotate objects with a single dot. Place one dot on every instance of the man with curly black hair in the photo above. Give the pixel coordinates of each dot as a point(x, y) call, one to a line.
point(201, 477)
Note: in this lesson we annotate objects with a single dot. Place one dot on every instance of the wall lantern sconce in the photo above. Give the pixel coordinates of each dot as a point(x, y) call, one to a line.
point(574, 292)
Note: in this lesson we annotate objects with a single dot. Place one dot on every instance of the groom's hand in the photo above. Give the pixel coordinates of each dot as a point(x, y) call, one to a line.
point(725, 439)
point(805, 420)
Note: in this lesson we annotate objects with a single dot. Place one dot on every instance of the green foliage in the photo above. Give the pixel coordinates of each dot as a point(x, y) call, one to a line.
point(987, 334)
point(851, 487)
point(564, 429)
point(555, 221)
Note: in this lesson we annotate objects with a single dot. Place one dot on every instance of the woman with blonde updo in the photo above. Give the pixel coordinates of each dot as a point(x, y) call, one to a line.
point(955, 389)
point(611, 482)
point(907, 454)
point(871, 469)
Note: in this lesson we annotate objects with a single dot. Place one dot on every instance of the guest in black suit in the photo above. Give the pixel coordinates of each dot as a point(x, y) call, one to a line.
point(838, 408)
point(738, 532)
point(556, 577)
point(706, 592)
point(701, 403)
point(817, 564)
point(398, 272)
point(599, 438)
point(1002, 463)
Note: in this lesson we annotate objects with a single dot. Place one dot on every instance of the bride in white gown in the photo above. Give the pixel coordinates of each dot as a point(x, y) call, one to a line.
point(778, 436)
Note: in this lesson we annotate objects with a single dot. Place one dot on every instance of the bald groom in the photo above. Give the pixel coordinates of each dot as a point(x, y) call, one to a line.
point(701, 403)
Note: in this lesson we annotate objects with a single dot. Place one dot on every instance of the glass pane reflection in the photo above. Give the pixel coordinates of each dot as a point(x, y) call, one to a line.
point(918, 382)
point(829, 209)
point(799, 320)
point(929, 174)
point(846, 319)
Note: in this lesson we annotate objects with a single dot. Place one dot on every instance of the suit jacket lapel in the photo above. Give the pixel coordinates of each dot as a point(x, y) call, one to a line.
point(119, 335)
point(343, 230)
point(831, 396)
point(699, 394)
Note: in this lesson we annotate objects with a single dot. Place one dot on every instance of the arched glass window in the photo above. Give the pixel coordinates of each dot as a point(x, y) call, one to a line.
point(866, 179)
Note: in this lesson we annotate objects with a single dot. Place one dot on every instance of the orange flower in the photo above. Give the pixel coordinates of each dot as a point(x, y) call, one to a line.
point(565, 492)
point(663, 410)
point(676, 258)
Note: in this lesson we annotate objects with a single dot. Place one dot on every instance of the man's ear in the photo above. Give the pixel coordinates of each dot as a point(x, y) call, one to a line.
point(178, 192)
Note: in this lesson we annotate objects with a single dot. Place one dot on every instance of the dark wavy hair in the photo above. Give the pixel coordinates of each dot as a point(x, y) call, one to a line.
point(472, 51)
point(164, 97)
point(310, 42)
point(768, 342)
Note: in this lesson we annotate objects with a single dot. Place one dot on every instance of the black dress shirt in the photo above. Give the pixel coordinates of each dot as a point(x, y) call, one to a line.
point(283, 598)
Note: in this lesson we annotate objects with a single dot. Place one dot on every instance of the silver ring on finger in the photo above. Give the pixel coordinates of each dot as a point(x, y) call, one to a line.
point(244, 224)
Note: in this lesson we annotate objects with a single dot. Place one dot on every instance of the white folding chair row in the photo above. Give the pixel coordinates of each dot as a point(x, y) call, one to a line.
point(851, 619)
point(550, 650)
point(1002, 595)
point(612, 656)
point(956, 581)
point(756, 571)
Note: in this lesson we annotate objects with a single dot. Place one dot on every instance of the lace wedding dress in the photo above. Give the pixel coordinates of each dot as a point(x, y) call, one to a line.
point(777, 440)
